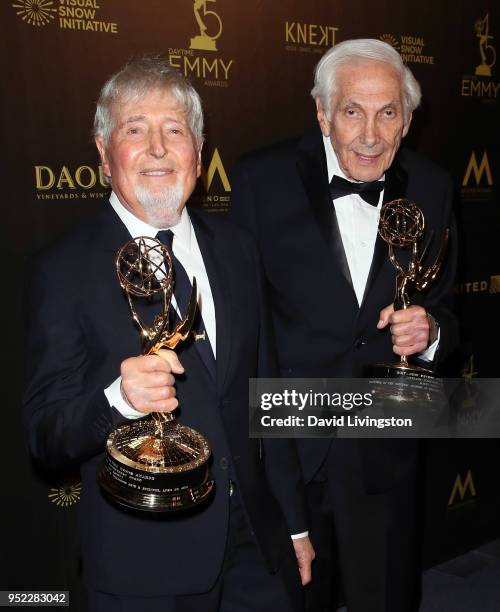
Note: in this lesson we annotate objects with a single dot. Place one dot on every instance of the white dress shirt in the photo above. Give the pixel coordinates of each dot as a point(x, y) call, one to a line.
point(358, 225)
point(186, 249)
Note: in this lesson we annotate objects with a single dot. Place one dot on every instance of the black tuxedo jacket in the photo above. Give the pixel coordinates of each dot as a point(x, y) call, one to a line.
point(79, 332)
point(282, 196)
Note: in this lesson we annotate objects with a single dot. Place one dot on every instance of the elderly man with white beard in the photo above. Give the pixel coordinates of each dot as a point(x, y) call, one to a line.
point(247, 547)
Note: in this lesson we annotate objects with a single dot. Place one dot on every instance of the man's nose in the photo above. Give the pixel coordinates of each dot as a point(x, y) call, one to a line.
point(157, 144)
point(370, 132)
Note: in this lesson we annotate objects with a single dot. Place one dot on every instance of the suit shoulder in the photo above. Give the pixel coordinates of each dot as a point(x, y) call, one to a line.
point(222, 228)
point(67, 248)
point(280, 152)
point(417, 164)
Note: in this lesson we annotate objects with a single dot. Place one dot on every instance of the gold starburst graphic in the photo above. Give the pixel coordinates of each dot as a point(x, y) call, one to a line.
point(390, 40)
point(35, 12)
point(66, 495)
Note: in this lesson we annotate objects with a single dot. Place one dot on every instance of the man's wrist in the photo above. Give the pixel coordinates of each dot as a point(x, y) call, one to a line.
point(124, 396)
point(433, 330)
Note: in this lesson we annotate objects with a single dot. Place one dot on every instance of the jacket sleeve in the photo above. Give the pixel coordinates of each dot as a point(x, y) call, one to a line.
point(67, 417)
point(439, 300)
point(280, 455)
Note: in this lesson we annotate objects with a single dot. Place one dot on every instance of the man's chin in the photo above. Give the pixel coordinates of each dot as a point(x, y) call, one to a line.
point(364, 174)
point(163, 218)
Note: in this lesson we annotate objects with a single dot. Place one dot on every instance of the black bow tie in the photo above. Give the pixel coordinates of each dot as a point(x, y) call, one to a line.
point(369, 191)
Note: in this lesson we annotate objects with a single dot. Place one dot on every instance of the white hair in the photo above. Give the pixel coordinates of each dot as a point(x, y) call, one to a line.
point(135, 80)
point(360, 50)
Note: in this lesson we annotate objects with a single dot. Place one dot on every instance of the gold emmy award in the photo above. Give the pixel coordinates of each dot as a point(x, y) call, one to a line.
point(488, 53)
point(155, 463)
point(205, 42)
point(402, 226)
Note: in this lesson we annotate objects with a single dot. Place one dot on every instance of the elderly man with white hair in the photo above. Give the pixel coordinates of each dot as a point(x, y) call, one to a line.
point(313, 205)
point(246, 548)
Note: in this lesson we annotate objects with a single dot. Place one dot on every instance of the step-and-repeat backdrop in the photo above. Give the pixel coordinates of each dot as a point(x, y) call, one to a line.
point(252, 62)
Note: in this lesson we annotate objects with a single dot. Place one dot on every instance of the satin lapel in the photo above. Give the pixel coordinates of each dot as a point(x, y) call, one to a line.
point(396, 182)
point(215, 267)
point(312, 168)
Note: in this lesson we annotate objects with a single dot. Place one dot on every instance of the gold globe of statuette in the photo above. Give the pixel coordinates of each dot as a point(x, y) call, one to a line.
point(401, 223)
point(155, 463)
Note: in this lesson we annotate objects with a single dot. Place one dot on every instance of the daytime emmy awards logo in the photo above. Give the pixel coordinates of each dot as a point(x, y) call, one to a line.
point(213, 69)
point(487, 51)
point(205, 41)
point(35, 12)
point(480, 84)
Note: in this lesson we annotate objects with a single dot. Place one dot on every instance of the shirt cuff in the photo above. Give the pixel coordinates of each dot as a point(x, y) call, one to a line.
point(114, 396)
point(428, 354)
point(297, 536)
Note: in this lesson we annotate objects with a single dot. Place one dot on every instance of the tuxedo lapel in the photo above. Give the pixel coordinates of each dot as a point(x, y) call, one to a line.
point(111, 233)
point(396, 182)
point(215, 268)
point(312, 168)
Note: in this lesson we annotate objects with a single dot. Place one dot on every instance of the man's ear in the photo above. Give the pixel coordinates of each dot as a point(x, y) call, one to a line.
point(99, 143)
point(323, 121)
point(198, 163)
point(406, 126)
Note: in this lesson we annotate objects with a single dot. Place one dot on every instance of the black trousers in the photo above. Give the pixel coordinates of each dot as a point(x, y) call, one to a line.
point(244, 585)
point(363, 542)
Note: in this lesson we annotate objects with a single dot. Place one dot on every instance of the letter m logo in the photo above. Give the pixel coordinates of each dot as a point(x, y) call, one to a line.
point(478, 170)
point(461, 488)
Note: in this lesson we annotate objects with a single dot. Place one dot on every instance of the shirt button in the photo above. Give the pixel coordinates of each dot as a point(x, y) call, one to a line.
point(363, 243)
point(224, 463)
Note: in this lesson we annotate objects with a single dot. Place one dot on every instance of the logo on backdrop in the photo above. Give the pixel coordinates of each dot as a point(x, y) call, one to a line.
point(480, 84)
point(214, 195)
point(495, 283)
point(205, 41)
point(35, 12)
point(309, 37)
point(72, 15)
point(411, 48)
point(488, 285)
point(215, 71)
point(486, 50)
point(477, 184)
point(70, 183)
point(462, 489)
point(67, 494)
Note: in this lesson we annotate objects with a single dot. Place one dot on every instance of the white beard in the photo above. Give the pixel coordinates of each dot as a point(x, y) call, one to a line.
point(163, 210)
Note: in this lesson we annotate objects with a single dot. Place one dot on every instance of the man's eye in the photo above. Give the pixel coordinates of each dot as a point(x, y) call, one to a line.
point(350, 112)
point(133, 130)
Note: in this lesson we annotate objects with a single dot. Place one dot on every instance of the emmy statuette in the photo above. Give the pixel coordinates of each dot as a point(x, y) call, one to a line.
point(402, 226)
point(155, 464)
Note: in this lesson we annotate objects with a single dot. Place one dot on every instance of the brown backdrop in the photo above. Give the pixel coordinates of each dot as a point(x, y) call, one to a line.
point(254, 79)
